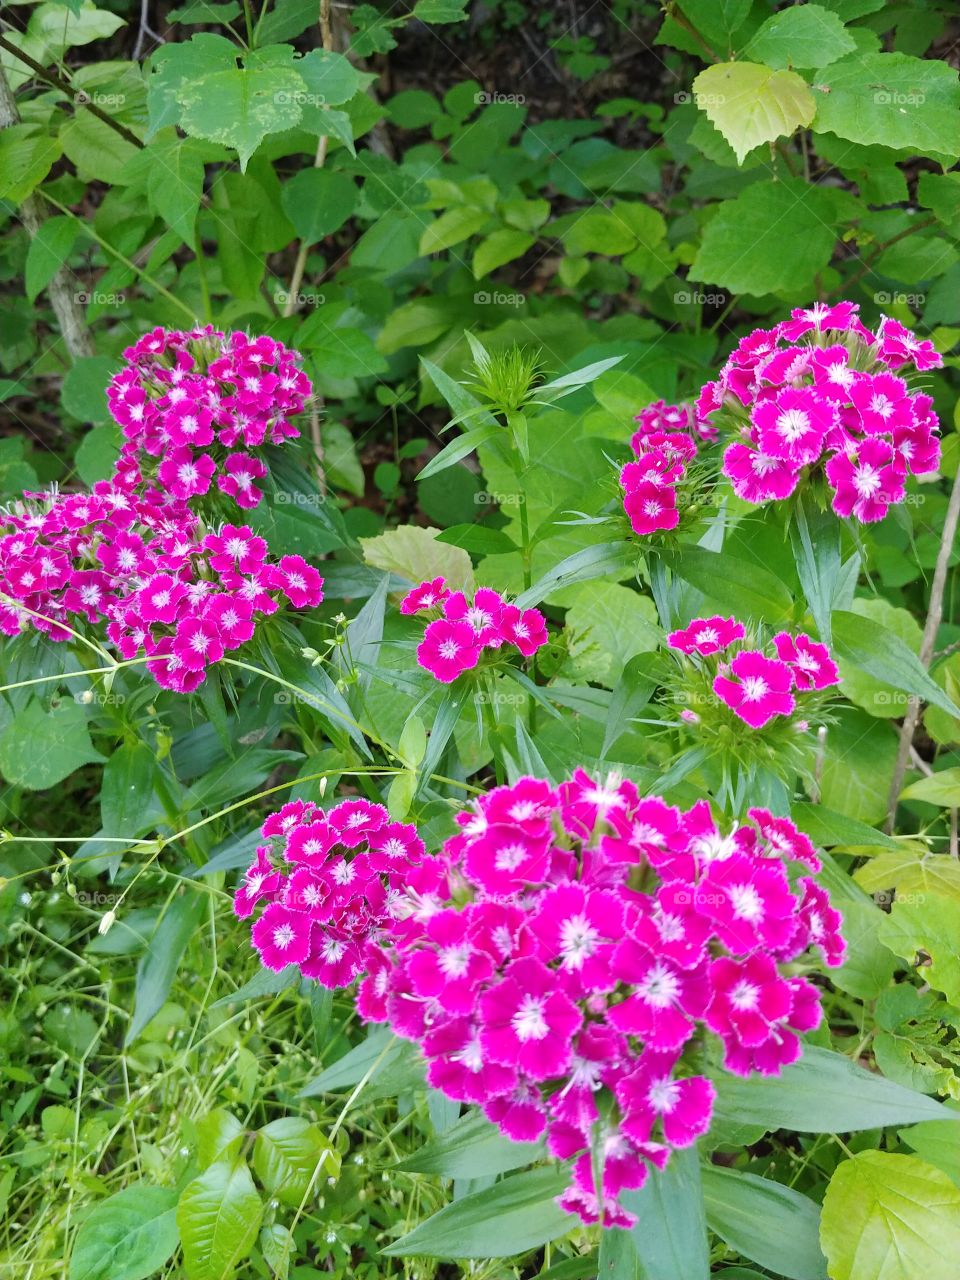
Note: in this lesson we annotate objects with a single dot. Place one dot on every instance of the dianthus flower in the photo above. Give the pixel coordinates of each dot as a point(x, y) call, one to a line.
point(757, 686)
point(462, 630)
point(541, 984)
point(822, 394)
point(196, 407)
point(664, 447)
point(324, 884)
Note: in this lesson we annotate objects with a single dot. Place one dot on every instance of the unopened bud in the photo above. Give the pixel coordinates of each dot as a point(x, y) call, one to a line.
point(106, 922)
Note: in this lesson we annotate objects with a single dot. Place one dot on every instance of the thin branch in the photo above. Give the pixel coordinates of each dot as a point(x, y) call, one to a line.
point(927, 645)
point(75, 95)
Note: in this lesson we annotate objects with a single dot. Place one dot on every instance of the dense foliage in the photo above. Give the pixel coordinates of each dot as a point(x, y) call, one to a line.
point(479, 642)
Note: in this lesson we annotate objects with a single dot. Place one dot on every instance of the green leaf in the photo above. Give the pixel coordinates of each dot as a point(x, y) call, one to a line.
point(868, 965)
point(97, 453)
point(517, 1214)
point(890, 1217)
point(84, 390)
point(471, 1148)
point(717, 19)
point(414, 553)
point(318, 202)
point(240, 107)
point(129, 1236)
point(749, 589)
point(596, 561)
point(158, 965)
point(330, 77)
point(828, 829)
point(176, 64)
point(670, 1238)
point(452, 228)
point(936, 1142)
point(941, 788)
point(219, 1215)
point(203, 11)
point(765, 1222)
point(478, 539)
point(287, 1154)
point(219, 1137)
point(27, 155)
point(880, 653)
point(48, 252)
point(877, 697)
point(438, 11)
point(859, 759)
point(766, 216)
point(607, 625)
point(930, 928)
point(383, 1060)
point(127, 789)
point(750, 103)
point(893, 100)
point(805, 36)
point(459, 448)
point(40, 748)
point(98, 152)
point(499, 248)
point(265, 982)
point(175, 184)
point(822, 1093)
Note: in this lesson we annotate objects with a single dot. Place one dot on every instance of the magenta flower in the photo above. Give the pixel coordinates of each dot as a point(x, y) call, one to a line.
point(186, 475)
point(652, 508)
point(579, 928)
point(526, 628)
point(282, 936)
point(527, 1022)
point(757, 477)
point(810, 662)
point(792, 425)
point(427, 596)
point(504, 858)
point(898, 346)
point(197, 641)
point(760, 689)
point(299, 582)
point(483, 614)
point(237, 477)
point(448, 649)
point(652, 1094)
point(818, 318)
point(784, 840)
point(457, 1065)
point(232, 616)
point(706, 635)
point(865, 483)
point(655, 1009)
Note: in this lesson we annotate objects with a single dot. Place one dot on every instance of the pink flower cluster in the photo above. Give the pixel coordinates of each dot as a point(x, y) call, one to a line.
point(197, 406)
point(822, 392)
point(325, 883)
point(147, 570)
point(462, 629)
point(756, 686)
point(664, 447)
point(544, 985)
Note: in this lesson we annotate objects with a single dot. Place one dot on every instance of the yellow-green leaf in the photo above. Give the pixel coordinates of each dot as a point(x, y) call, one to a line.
point(751, 103)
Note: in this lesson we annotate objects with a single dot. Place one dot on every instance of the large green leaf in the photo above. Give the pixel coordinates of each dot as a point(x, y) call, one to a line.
point(471, 1148)
point(881, 653)
point(890, 1217)
point(318, 202)
point(822, 1093)
point(517, 1214)
point(48, 252)
point(893, 100)
point(743, 245)
point(670, 1238)
point(750, 590)
point(765, 1222)
point(287, 1155)
point(239, 107)
point(128, 1236)
point(750, 103)
point(127, 789)
point(805, 36)
point(40, 748)
point(219, 1215)
point(158, 965)
point(927, 924)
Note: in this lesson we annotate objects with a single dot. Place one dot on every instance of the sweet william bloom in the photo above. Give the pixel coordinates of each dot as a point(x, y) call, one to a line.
point(579, 928)
point(651, 1095)
point(792, 426)
point(865, 483)
point(756, 477)
point(810, 661)
point(261, 881)
point(899, 346)
point(749, 902)
point(197, 642)
point(428, 595)
point(526, 628)
point(505, 858)
point(299, 581)
point(652, 508)
point(757, 689)
point(448, 649)
point(654, 1010)
point(456, 1063)
point(528, 1021)
point(706, 635)
point(783, 839)
point(233, 618)
point(237, 477)
point(282, 936)
point(818, 318)
point(520, 1114)
point(483, 614)
point(882, 402)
